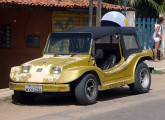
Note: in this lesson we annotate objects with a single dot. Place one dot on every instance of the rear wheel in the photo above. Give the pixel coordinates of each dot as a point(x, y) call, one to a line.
point(23, 97)
point(142, 79)
point(86, 91)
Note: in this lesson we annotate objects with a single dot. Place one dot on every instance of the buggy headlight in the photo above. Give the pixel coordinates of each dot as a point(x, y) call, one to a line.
point(25, 69)
point(56, 70)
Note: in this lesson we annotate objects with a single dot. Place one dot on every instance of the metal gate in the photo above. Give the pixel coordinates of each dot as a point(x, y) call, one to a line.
point(145, 31)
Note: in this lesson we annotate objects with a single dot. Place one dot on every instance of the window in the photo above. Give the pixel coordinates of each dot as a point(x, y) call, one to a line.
point(105, 39)
point(69, 43)
point(130, 42)
point(114, 39)
point(5, 36)
point(33, 41)
point(111, 56)
point(108, 39)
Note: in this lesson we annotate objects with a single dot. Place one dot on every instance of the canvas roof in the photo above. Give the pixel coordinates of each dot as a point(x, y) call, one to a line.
point(99, 32)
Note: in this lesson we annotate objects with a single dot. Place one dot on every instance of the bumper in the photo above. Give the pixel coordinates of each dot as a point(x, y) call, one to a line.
point(45, 87)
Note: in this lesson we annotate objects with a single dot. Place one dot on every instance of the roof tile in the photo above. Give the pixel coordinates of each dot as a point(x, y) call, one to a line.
point(64, 3)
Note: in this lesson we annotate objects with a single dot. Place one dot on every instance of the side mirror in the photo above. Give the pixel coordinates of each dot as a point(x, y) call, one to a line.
point(99, 53)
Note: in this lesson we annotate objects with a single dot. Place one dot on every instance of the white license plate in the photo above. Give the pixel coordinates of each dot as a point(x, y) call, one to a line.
point(34, 89)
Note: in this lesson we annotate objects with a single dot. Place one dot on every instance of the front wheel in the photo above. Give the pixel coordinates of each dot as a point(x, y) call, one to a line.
point(86, 91)
point(142, 79)
point(23, 97)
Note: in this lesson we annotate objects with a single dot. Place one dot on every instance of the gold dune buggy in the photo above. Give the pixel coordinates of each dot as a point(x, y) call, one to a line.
point(84, 61)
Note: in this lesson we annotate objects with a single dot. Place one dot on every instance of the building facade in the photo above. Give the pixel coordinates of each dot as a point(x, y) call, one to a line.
point(25, 26)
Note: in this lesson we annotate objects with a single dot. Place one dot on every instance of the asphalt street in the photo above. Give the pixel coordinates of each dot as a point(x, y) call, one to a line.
point(115, 104)
point(149, 106)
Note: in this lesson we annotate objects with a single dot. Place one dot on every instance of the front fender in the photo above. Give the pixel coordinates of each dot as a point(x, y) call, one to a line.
point(73, 74)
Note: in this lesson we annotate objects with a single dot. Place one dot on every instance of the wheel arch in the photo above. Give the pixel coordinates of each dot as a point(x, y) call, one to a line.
point(141, 59)
point(85, 73)
point(138, 61)
point(95, 74)
point(144, 58)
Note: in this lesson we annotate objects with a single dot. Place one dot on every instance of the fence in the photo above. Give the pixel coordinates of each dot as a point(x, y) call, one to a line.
point(145, 31)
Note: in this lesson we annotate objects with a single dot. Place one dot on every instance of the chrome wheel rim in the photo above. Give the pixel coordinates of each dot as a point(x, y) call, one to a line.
point(144, 77)
point(90, 89)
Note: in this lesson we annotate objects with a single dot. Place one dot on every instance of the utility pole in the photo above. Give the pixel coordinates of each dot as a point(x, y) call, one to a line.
point(98, 12)
point(90, 13)
point(125, 3)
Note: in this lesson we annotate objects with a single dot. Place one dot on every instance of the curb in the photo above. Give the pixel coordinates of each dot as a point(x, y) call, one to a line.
point(5, 93)
point(5, 89)
point(161, 69)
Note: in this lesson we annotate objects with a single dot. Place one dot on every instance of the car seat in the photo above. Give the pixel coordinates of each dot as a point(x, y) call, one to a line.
point(109, 62)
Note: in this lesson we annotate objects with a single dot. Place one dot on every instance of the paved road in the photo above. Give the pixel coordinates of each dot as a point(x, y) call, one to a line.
point(116, 104)
point(142, 107)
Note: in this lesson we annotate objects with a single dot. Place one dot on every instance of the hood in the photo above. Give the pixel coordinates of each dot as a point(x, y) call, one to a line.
point(41, 69)
point(61, 61)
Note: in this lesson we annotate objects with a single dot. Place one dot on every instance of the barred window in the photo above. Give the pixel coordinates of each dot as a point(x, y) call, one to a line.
point(5, 40)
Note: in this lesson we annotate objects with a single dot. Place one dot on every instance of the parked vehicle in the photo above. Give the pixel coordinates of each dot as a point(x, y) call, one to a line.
point(84, 61)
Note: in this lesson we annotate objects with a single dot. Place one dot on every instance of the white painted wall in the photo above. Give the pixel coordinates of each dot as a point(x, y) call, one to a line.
point(131, 18)
point(163, 41)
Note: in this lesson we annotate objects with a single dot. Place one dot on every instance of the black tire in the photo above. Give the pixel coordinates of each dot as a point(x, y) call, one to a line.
point(23, 97)
point(84, 92)
point(142, 79)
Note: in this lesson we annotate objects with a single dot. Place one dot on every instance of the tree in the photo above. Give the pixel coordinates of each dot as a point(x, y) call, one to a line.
point(162, 6)
point(135, 3)
point(151, 3)
point(144, 8)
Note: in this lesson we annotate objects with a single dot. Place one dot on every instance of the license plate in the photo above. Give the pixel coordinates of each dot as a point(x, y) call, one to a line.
point(34, 89)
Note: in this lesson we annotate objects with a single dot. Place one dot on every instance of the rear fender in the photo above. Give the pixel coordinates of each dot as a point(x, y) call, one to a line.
point(139, 60)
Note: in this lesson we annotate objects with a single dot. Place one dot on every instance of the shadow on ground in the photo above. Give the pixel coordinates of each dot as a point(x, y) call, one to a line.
point(64, 100)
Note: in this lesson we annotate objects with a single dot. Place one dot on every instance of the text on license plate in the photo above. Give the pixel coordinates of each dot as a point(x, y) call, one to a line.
point(35, 89)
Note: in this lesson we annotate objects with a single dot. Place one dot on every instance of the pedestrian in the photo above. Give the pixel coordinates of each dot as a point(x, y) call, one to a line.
point(157, 37)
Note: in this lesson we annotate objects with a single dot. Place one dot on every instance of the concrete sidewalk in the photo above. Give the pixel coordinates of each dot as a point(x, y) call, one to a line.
point(5, 93)
point(157, 65)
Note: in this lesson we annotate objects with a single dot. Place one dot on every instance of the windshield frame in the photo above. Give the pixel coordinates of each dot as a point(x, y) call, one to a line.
point(90, 49)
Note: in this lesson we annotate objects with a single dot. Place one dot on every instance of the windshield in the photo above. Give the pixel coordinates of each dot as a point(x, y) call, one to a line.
point(69, 43)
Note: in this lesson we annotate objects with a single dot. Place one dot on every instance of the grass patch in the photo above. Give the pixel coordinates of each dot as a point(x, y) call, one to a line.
point(7, 99)
point(158, 72)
